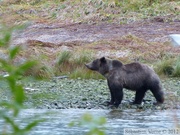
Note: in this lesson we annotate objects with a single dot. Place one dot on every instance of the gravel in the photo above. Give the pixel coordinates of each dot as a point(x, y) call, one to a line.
point(64, 93)
point(93, 94)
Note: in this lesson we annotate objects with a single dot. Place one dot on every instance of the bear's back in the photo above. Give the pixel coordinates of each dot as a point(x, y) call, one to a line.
point(136, 75)
point(137, 67)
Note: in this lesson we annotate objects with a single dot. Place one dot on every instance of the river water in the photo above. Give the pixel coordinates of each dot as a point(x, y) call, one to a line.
point(57, 121)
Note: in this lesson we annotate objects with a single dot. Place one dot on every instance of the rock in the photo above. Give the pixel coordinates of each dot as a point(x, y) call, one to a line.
point(69, 93)
point(84, 99)
point(175, 39)
point(134, 106)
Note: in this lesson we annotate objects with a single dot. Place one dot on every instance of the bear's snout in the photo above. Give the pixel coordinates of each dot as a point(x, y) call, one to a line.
point(88, 65)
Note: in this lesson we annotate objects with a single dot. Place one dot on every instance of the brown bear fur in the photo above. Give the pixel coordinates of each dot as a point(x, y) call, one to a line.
point(134, 76)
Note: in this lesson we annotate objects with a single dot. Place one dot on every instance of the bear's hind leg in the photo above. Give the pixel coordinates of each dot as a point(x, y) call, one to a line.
point(139, 96)
point(159, 95)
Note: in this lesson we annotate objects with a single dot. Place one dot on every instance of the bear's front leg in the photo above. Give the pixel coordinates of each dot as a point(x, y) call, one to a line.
point(118, 97)
point(111, 102)
point(116, 93)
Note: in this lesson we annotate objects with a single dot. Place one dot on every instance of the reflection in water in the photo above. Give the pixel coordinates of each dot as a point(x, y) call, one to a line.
point(58, 120)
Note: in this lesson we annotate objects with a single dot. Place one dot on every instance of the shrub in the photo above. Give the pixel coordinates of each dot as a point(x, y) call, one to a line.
point(84, 73)
point(176, 72)
point(17, 92)
point(169, 67)
point(72, 64)
point(64, 57)
point(165, 66)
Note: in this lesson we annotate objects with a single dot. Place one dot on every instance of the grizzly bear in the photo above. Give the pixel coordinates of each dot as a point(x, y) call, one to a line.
point(134, 76)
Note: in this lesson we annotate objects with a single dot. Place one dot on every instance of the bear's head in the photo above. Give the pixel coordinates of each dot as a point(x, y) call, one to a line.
point(102, 65)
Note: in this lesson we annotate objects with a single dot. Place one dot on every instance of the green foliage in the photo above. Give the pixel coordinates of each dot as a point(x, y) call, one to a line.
point(117, 11)
point(169, 67)
point(13, 73)
point(84, 73)
point(165, 67)
point(176, 72)
point(40, 71)
point(64, 57)
point(73, 64)
point(83, 57)
point(95, 125)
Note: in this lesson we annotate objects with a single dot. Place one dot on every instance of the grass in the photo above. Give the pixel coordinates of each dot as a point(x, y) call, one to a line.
point(176, 72)
point(169, 67)
point(42, 68)
point(71, 63)
point(83, 73)
point(64, 57)
point(63, 63)
point(165, 67)
point(88, 11)
point(55, 62)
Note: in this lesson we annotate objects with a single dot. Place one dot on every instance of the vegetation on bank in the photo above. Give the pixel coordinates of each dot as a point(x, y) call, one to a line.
point(169, 67)
point(71, 62)
point(87, 11)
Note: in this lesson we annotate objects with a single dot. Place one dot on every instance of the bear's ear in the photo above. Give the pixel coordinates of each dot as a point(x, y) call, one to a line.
point(103, 60)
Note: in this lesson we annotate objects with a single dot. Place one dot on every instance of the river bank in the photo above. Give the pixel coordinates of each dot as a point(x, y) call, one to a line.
point(91, 94)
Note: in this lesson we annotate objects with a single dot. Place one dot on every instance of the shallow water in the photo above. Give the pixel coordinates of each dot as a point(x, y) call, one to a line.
point(117, 120)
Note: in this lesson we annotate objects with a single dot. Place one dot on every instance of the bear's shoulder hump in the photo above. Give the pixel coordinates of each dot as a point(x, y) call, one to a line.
point(133, 67)
point(116, 64)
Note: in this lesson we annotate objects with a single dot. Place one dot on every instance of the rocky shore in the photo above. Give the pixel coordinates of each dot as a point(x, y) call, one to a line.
point(67, 93)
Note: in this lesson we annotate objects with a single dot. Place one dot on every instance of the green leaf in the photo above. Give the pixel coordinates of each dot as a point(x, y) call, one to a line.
point(7, 105)
point(33, 124)
point(5, 65)
point(6, 38)
point(12, 123)
point(11, 106)
point(19, 94)
point(102, 121)
point(13, 52)
point(87, 117)
point(17, 91)
point(71, 124)
point(24, 67)
point(1, 42)
point(11, 82)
